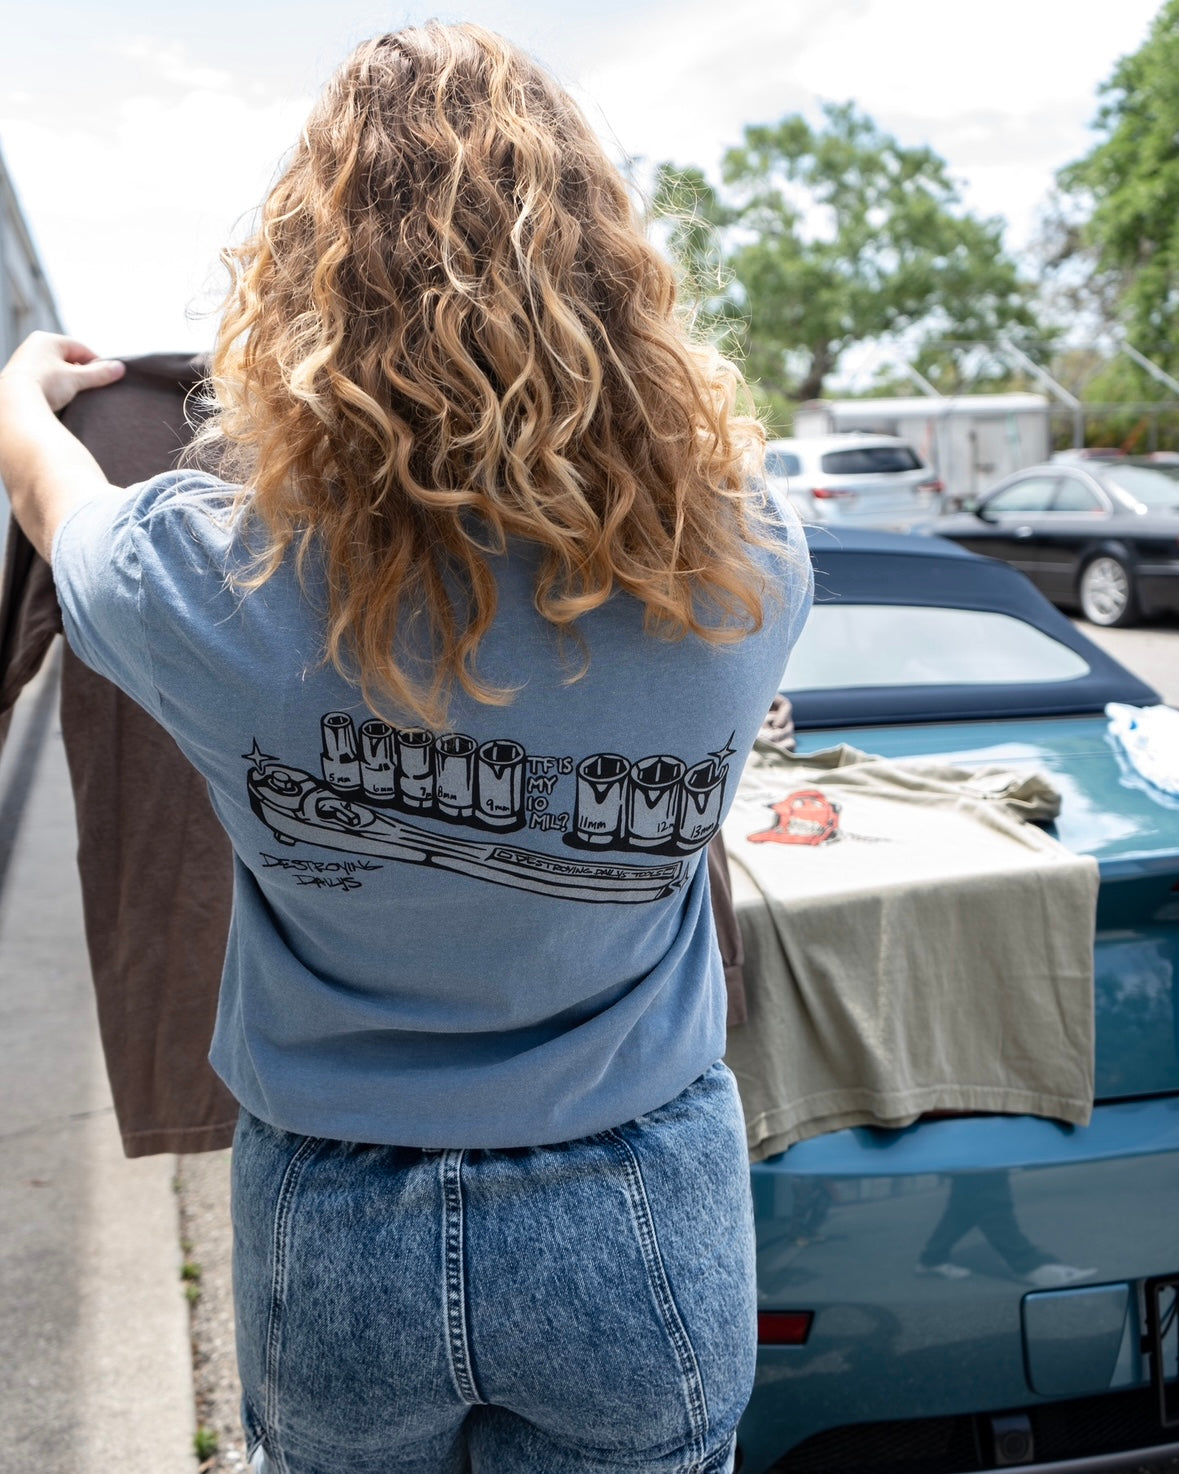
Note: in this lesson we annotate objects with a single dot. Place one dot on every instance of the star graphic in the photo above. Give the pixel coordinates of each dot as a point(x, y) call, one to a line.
point(259, 758)
point(726, 751)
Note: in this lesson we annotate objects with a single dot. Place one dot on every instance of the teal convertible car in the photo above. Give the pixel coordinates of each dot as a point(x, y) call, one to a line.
point(901, 1330)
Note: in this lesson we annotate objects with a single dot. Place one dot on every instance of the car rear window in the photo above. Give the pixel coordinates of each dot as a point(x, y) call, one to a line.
point(871, 460)
point(782, 463)
point(917, 645)
point(1153, 486)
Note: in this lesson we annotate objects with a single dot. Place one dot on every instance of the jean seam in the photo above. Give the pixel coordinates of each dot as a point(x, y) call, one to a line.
point(251, 1426)
point(458, 1347)
point(281, 1244)
point(719, 1460)
point(665, 1300)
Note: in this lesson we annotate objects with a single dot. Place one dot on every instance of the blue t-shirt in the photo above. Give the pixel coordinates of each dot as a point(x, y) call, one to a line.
point(494, 936)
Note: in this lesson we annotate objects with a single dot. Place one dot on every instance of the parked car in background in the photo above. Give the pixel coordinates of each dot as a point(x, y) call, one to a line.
point(862, 480)
point(917, 649)
point(1099, 534)
point(1089, 453)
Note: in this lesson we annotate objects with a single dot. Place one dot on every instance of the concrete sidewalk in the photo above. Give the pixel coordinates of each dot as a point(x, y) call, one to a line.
point(93, 1322)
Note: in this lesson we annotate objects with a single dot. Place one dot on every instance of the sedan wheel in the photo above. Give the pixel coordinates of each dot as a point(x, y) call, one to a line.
point(1107, 592)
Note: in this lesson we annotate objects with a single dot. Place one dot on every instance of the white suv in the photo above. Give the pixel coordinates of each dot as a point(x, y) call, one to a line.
point(867, 480)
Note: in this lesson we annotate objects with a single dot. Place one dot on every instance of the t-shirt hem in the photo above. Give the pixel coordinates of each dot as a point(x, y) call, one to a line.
point(771, 1132)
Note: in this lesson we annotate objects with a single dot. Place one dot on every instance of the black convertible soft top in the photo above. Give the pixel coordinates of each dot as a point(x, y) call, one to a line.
point(859, 567)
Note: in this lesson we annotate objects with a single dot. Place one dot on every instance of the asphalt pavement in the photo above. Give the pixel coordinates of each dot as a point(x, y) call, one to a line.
point(94, 1336)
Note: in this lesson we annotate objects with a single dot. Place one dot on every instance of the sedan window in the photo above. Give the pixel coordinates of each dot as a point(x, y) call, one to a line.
point(1153, 486)
point(871, 460)
point(782, 463)
point(1075, 496)
point(916, 645)
point(1032, 494)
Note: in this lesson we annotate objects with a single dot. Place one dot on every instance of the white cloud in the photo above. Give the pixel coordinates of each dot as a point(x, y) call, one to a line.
point(131, 210)
point(929, 58)
point(134, 172)
point(687, 77)
point(1005, 93)
point(171, 65)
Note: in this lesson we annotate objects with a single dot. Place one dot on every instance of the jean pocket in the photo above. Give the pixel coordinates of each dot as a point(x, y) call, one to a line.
point(267, 1167)
point(692, 1169)
point(692, 1390)
point(596, 1319)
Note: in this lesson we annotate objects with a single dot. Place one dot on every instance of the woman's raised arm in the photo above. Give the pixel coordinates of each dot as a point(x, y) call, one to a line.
point(45, 470)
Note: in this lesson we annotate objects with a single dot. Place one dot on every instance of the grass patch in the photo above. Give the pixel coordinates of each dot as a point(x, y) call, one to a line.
point(204, 1442)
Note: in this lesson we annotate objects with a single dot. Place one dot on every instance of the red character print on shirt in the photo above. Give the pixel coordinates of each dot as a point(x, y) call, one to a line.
point(803, 817)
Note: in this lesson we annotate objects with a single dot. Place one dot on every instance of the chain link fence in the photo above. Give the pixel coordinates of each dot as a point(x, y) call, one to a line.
point(1136, 429)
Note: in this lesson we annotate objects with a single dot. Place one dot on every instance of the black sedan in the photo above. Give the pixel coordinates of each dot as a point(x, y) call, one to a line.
point(1101, 536)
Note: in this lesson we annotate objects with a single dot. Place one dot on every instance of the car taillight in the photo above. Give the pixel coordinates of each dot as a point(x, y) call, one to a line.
point(932, 485)
point(829, 493)
point(784, 1327)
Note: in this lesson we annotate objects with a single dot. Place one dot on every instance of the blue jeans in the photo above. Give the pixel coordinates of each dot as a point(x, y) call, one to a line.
point(562, 1309)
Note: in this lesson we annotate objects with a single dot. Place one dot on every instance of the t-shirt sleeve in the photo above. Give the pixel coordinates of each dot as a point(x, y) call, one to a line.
point(98, 574)
point(111, 559)
point(796, 571)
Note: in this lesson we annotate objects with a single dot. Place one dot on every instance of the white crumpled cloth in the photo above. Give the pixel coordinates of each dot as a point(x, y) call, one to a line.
point(1149, 739)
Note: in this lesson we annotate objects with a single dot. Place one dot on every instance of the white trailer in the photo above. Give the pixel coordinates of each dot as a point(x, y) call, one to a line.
point(970, 440)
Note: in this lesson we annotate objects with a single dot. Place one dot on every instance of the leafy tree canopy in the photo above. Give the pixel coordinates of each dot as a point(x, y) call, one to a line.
point(819, 238)
point(1125, 192)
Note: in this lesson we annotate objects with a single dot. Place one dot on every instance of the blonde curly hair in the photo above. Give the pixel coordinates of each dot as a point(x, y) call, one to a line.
point(449, 330)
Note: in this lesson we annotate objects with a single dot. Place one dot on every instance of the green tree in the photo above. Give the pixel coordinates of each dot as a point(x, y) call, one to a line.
point(1123, 196)
point(819, 238)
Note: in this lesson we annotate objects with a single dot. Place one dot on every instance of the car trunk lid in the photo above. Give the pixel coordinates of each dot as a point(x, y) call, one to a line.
point(909, 494)
point(1133, 833)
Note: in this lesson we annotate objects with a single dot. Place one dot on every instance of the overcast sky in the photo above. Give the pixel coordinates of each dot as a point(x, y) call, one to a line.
point(140, 135)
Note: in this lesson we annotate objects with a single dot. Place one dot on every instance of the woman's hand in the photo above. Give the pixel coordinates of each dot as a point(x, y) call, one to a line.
point(61, 367)
point(46, 472)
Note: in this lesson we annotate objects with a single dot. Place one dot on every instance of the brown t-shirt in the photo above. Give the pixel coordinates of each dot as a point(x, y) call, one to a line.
point(155, 865)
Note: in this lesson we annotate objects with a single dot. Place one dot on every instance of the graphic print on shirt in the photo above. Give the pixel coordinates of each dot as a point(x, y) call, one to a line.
point(657, 805)
point(805, 816)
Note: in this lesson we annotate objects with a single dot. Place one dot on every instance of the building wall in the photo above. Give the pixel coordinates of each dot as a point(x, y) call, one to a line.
point(26, 301)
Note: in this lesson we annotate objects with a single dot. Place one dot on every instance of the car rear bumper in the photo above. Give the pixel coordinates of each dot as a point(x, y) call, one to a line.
point(967, 1445)
point(1158, 588)
point(844, 1220)
point(1120, 1463)
point(888, 516)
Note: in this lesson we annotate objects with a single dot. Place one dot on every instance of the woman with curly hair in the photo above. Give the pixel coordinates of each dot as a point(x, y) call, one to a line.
point(469, 635)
